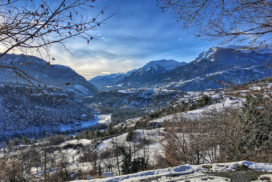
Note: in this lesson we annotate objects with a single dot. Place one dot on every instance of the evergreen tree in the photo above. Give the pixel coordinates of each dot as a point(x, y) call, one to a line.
point(257, 121)
point(132, 166)
point(127, 163)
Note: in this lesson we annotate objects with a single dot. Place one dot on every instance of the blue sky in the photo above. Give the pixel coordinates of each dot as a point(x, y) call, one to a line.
point(138, 33)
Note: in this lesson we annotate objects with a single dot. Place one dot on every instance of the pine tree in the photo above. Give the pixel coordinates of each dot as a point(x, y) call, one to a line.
point(257, 122)
point(127, 163)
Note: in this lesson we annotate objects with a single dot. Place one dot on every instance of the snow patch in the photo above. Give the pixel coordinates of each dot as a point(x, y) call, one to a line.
point(195, 173)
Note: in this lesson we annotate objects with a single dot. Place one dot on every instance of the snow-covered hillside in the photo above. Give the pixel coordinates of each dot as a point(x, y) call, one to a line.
point(42, 74)
point(226, 103)
point(31, 111)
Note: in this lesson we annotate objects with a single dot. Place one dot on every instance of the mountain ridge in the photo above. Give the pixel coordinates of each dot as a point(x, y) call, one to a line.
point(140, 75)
point(215, 65)
point(218, 64)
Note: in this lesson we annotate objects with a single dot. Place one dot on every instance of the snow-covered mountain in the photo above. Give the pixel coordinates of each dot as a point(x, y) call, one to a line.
point(136, 77)
point(214, 68)
point(46, 74)
point(218, 67)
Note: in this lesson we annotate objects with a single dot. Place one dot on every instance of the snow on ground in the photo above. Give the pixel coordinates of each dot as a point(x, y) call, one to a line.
point(83, 142)
point(80, 125)
point(202, 112)
point(217, 107)
point(153, 136)
point(194, 177)
point(194, 173)
point(264, 178)
point(153, 149)
point(128, 123)
point(104, 119)
point(256, 88)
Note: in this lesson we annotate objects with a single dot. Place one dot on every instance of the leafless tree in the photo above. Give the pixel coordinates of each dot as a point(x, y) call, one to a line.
point(11, 170)
point(220, 137)
point(248, 22)
point(32, 27)
point(201, 141)
point(116, 154)
point(186, 142)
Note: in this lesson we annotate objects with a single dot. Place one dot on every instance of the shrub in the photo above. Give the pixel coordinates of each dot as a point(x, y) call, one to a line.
point(73, 146)
point(11, 170)
point(56, 139)
point(131, 136)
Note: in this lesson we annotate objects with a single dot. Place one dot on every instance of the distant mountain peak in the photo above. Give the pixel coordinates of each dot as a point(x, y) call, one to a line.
point(149, 71)
point(214, 53)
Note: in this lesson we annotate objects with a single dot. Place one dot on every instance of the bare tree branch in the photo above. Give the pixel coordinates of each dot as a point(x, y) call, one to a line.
point(247, 22)
point(28, 25)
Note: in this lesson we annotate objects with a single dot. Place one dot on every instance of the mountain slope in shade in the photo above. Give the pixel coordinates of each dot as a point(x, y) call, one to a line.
point(53, 75)
point(138, 77)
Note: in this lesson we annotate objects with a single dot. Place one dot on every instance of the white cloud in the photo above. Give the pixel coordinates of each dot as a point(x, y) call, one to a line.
point(92, 64)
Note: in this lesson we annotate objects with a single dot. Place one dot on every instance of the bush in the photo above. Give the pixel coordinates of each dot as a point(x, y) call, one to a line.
point(56, 139)
point(73, 146)
point(11, 170)
point(131, 136)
